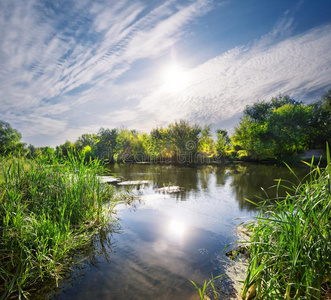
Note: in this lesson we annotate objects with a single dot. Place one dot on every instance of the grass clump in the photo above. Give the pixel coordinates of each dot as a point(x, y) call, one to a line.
point(208, 285)
point(290, 246)
point(46, 211)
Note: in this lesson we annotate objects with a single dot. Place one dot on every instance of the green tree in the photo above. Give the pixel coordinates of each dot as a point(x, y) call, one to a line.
point(261, 111)
point(86, 139)
point(287, 128)
point(206, 142)
point(319, 130)
point(251, 139)
point(258, 112)
point(9, 139)
point(140, 147)
point(185, 138)
point(127, 145)
point(63, 150)
point(281, 100)
point(222, 143)
point(32, 151)
point(277, 129)
point(159, 146)
point(105, 147)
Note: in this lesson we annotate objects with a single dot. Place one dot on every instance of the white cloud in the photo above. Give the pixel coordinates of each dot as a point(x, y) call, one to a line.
point(220, 88)
point(155, 40)
point(34, 125)
point(46, 54)
point(59, 71)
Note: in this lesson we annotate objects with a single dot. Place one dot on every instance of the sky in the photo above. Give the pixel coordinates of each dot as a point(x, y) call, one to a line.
point(69, 67)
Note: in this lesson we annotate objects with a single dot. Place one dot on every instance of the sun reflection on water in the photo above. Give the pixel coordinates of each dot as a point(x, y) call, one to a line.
point(176, 229)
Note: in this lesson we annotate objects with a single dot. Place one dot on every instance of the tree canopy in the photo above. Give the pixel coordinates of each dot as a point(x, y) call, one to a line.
point(9, 138)
point(274, 130)
point(282, 128)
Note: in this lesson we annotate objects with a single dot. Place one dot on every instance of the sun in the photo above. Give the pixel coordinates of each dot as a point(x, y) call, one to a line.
point(174, 78)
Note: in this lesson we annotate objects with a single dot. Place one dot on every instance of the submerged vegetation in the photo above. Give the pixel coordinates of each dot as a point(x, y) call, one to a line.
point(47, 210)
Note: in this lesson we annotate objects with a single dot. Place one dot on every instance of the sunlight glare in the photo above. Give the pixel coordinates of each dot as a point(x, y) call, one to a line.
point(176, 228)
point(175, 78)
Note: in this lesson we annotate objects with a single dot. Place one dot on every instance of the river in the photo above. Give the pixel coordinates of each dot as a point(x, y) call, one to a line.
point(165, 240)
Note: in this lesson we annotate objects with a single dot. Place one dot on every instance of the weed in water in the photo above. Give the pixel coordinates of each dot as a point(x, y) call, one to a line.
point(211, 283)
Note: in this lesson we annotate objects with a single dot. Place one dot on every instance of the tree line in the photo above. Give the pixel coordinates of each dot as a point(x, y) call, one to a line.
point(279, 129)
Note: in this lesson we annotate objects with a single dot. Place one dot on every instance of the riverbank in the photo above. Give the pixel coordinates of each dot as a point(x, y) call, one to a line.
point(168, 239)
point(319, 155)
point(290, 243)
point(48, 210)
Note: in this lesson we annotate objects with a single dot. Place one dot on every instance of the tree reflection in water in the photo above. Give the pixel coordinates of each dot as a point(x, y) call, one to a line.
point(170, 238)
point(253, 181)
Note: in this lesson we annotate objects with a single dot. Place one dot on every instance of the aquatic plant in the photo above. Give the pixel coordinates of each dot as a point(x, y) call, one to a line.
point(46, 211)
point(208, 285)
point(290, 245)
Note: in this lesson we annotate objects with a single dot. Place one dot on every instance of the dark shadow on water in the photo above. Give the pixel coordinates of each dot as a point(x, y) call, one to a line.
point(259, 182)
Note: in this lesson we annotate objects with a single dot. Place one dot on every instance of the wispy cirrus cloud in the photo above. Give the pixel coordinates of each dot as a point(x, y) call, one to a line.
point(65, 67)
point(54, 54)
point(219, 89)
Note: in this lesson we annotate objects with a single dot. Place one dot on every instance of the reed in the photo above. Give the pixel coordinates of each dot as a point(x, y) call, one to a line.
point(290, 246)
point(208, 287)
point(46, 211)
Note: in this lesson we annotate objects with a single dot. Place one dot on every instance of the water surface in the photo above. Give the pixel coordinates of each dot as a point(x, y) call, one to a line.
point(166, 240)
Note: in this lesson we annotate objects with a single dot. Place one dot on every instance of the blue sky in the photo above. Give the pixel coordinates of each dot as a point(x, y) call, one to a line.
point(71, 67)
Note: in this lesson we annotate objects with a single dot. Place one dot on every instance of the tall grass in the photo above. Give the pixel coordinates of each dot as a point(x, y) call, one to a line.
point(290, 246)
point(46, 211)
